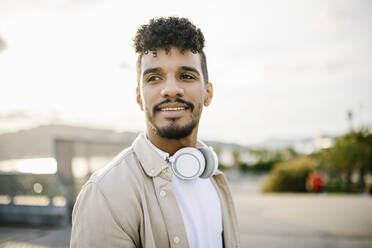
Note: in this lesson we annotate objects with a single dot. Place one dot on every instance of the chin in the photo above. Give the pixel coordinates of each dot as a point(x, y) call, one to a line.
point(175, 131)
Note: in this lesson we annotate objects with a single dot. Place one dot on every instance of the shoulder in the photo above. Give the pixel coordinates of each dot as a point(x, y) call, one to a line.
point(121, 180)
point(124, 167)
point(109, 205)
point(115, 187)
point(120, 162)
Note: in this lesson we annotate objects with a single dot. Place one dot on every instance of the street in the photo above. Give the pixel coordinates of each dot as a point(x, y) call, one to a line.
point(266, 220)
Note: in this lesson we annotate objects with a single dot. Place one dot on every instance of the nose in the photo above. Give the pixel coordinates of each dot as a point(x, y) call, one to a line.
point(172, 89)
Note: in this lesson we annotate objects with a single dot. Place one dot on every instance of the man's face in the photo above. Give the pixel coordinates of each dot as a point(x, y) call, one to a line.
point(172, 92)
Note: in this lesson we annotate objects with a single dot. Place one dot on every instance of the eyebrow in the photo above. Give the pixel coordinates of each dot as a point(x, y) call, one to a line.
point(152, 70)
point(158, 69)
point(188, 68)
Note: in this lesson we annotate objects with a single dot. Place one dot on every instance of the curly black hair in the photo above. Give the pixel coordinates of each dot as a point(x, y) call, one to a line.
point(164, 32)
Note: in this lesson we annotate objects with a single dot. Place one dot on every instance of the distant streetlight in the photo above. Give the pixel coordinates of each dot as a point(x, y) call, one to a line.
point(361, 115)
point(2, 44)
point(350, 119)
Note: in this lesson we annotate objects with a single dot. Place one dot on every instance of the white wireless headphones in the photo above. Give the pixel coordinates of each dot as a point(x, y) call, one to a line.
point(190, 163)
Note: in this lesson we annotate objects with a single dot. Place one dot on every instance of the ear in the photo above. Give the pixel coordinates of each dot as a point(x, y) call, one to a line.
point(209, 94)
point(138, 98)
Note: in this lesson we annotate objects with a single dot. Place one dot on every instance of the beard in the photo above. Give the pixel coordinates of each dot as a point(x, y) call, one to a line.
point(174, 130)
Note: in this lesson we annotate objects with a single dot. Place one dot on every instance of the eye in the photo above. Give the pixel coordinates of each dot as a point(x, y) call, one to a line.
point(153, 78)
point(187, 77)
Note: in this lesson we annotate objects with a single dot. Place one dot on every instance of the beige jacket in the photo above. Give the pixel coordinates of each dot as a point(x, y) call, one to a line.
point(130, 203)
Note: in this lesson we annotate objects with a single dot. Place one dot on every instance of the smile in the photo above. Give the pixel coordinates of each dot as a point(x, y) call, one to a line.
point(173, 112)
point(173, 109)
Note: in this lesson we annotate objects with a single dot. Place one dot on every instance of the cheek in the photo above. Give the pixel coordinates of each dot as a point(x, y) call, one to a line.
point(196, 92)
point(200, 98)
point(146, 98)
point(149, 100)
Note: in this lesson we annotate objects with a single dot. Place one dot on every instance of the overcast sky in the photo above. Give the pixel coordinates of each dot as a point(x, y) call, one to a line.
point(285, 69)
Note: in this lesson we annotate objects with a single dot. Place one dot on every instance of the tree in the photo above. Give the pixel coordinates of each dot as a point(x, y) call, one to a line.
point(351, 153)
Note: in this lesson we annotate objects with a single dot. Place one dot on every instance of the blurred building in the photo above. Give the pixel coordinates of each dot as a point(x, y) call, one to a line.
point(302, 146)
point(50, 163)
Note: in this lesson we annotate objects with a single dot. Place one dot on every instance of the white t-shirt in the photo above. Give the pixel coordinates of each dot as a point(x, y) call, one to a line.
point(200, 208)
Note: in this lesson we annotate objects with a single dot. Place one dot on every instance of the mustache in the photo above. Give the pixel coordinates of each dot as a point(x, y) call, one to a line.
point(179, 100)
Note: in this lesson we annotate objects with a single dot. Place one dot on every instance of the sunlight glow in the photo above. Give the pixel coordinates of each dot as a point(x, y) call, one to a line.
point(5, 199)
point(59, 201)
point(30, 200)
point(34, 166)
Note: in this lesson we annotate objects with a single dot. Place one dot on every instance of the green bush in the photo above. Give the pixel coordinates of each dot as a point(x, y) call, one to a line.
point(261, 166)
point(222, 166)
point(335, 185)
point(290, 176)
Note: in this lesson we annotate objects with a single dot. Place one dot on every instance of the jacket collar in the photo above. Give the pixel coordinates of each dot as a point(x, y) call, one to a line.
point(151, 161)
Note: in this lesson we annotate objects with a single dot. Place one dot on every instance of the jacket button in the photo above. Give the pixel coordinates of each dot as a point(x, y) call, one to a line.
point(163, 193)
point(176, 240)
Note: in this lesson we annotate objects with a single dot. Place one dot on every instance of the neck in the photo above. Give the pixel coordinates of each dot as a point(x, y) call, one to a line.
point(171, 146)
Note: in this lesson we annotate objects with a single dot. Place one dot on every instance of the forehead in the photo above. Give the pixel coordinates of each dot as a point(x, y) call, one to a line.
point(171, 60)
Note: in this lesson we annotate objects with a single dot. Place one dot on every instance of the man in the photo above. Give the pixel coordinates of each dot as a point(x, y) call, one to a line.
point(163, 191)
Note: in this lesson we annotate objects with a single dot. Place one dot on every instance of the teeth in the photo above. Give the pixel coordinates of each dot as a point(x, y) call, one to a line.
point(173, 109)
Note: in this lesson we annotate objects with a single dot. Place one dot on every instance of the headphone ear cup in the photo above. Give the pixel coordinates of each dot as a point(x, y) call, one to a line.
point(188, 163)
point(211, 161)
